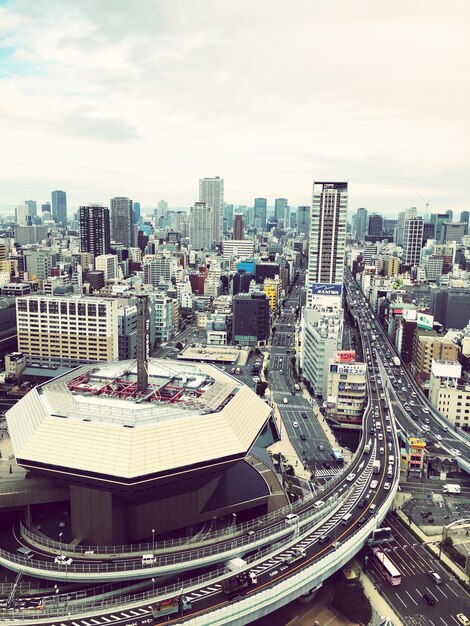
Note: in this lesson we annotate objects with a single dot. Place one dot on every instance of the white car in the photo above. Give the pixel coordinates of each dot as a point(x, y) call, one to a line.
point(455, 452)
point(380, 437)
point(374, 484)
point(294, 424)
point(63, 560)
point(438, 437)
point(350, 477)
point(387, 486)
point(425, 428)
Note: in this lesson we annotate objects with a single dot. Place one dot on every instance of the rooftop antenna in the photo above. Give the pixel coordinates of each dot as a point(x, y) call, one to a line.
point(143, 348)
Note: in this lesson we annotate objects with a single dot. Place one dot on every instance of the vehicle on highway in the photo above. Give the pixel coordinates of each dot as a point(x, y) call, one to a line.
point(304, 416)
point(285, 401)
point(373, 484)
point(438, 437)
point(292, 518)
point(303, 437)
point(324, 539)
point(455, 452)
point(387, 486)
point(63, 560)
point(426, 428)
point(321, 447)
point(386, 567)
point(429, 599)
point(346, 519)
point(350, 477)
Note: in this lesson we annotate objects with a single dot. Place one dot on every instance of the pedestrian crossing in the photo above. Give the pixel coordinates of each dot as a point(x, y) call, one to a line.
point(325, 473)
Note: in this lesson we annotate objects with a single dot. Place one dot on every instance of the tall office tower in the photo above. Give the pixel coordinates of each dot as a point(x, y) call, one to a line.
point(280, 206)
point(59, 207)
point(303, 220)
point(260, 213)
point(238, 227)
point(453, 231)
point(450, 215)
point(413, 240)
point(211, 191)
point(228, 217)
point(94, 229)
point(32, 208)
point(22, 216)
point(201, 224)
point(465, 217)
point(46, 208)
point(122, 221)
point(136, 212)
point(375, 225)
point(361, 224)
point(428, 232)
point(327, 236)
point(438, 220)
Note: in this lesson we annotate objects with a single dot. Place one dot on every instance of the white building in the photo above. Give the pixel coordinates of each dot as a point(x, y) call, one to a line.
point(211, 191)
point(162, 307)
point(448, 393)
point(242, 248)
point(158, 268)
point(201, 226)
point(109, 265)
point(347, 389)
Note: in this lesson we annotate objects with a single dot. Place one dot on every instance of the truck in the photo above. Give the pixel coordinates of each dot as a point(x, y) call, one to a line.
point(376, 466)
point(336, 454)
point(396, 361)
point(170, 606)
point(233, 585)
point(295, 555)
point(367, 447)
point(451, 488)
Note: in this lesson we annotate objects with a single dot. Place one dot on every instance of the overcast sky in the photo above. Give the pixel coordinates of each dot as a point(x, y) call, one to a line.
point(112, 97)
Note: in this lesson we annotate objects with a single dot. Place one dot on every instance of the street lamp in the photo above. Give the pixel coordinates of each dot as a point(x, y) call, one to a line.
point(153, 585)
point(60, 543)
point(234, 522)
point(57, 596)
point(153, 542)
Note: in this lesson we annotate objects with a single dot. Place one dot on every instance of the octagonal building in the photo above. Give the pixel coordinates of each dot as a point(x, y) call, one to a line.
point(134, 461)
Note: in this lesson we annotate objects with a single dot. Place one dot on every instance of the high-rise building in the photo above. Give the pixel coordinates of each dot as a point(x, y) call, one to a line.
point(465, 217)
point(250, 320)
point(375, 225)
point(413, 241)
point(122, 221)
point(428, 231)
point(238, 227)
point(22, 216)
point(228, 217)
point(453, 231)
point(438, 220)
point(94, 229)
point(260, 213)
point(280, 206)
point(46, 208)
point(303, 220)
point(201, 224)
point(450, 215)
point(361, 224)
point(108, 264)
point(327, 235)
point(32, 208)
point(59, 207)
point(211, 191)
point(136, 212)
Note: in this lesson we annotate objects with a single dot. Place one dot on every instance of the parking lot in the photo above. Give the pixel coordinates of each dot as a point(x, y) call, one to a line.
point(427, 513)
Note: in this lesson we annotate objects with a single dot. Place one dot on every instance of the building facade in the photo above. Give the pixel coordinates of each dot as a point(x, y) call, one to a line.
point(211, 191)
point(94, 230)
point(59, 207)
point(251, 319)
point(122, 221)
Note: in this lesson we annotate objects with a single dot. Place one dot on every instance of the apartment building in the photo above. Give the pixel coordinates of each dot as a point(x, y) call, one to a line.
point(449, 393)
point(67, 329)
point(429, 346)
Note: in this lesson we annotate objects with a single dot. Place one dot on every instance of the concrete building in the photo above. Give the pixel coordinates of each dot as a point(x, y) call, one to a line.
point(122, 221)
point(438, 219)
point(327, 236)
point(346, 391)
point(322, 337)
point(361, 224)
point(162, 307)
point(260, 213)
point(127, 331)
point(428, 346)
point(413, 241)
point(238, 227)
point(211, 192)
point(449, 393)
point(453, 231)
point(38, 263)
point(108, 264)
point(201, 225)
point(68, 330)
point(59, 207)
point(272, 287)
point(158, 268)
point(94, 230)
point(25, 235)
point(233, 248)
point(251, 319)
point(450, 306)
point(303, 220)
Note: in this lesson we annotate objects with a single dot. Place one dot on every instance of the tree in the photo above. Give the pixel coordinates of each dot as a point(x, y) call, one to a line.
point(261, 388)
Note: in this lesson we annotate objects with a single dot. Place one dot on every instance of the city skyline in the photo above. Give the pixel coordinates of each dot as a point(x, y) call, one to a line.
point(161, 95)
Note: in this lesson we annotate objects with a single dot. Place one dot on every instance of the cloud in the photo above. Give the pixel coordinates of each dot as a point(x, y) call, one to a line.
point(267, 94)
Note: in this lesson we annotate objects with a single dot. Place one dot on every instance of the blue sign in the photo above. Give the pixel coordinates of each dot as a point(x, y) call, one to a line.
point(326, 289)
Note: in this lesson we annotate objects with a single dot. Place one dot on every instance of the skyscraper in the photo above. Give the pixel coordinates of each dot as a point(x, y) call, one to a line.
point(438, 220)
point(95, 229)
point(211, 191)
point(280, 206)
point(260, 213)
point(413, 240)
point(361, 224)
point(375, 228)
point(238, 227)
point(59, 207)
point(303, 220)
point(465, 217)
point(201, 222)
point(327, 235)
point(32, 208)
point(136, 212)
point(122, 221)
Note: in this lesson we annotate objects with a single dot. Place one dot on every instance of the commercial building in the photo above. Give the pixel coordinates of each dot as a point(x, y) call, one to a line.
point(303, 220)
point(65, 329)
point(347, 389)
point(201, 226)
point(438, 220)
point(412, 450)
point(375, 227)
point(122, 221)
point(211, 191)
point(450, 306)
point(158, 268)
point(361, 224)
point(238, 227)
point(260, 213)
point(59, 207)
point(251, 319)
point(94, 230)
point(327, 236)
point(272, 287)
point(453, 231)
point(413, 241)
point(449, 393)
point(108, 264)
point(163, 313)
point(127, 331)
point(281, 211)
point(30, 234)
point(428, 346)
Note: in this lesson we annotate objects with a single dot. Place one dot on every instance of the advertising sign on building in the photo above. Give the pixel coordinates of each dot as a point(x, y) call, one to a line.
point(345, 356)
point(425, 321)
point(348, 368)
point(326, 289)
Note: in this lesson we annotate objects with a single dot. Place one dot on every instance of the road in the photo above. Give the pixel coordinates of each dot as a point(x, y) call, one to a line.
point(415, 563)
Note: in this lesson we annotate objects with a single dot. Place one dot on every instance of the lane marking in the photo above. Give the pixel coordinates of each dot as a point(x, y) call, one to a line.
point(450, 589)
point(402, 601)
point(411, 597)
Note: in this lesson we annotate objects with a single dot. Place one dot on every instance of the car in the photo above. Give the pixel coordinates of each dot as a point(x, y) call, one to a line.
point(373, 484)
point(387, 486)
point(425, 428)
point(280, 371)
point(362, 521)
point(304, 416)
point(463, 619)
point(303, 437)
point(429, 599)
point(63, 560)
point(455, 452)
point(321, 447)
point(350, 477)
point(426, 410)
point(403, 388)
point(295, 424)
point(388, 428)
point(380, 437)
point(438, 437)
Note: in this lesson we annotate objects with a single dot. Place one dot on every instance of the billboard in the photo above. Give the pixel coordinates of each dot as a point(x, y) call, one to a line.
point(326, 289)
point(345, 356)
point(425, 321)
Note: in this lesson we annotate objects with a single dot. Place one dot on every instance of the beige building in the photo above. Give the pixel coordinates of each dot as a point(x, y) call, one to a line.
point(347, 390)
point(429, 346)
point(272, 288)
point(77, 330)
point(449, 393)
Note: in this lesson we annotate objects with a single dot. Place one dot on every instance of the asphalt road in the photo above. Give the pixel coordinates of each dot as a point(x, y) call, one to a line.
point(415, 563)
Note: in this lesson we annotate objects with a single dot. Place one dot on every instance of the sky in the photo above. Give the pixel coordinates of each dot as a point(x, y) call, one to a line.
point(105, 98)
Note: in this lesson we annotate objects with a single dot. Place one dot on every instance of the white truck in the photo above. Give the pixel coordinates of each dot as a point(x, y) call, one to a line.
point(396, 361)
point(376, 466)
point(451, 488)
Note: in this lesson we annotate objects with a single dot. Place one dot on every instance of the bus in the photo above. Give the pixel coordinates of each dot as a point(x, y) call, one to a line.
point(386, 567)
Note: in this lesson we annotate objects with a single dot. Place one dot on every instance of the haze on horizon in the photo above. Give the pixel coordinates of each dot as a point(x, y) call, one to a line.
point(142, 99)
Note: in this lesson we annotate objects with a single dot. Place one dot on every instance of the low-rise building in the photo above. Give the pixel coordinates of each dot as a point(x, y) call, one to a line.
point(347, 390)
point(449, 393)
